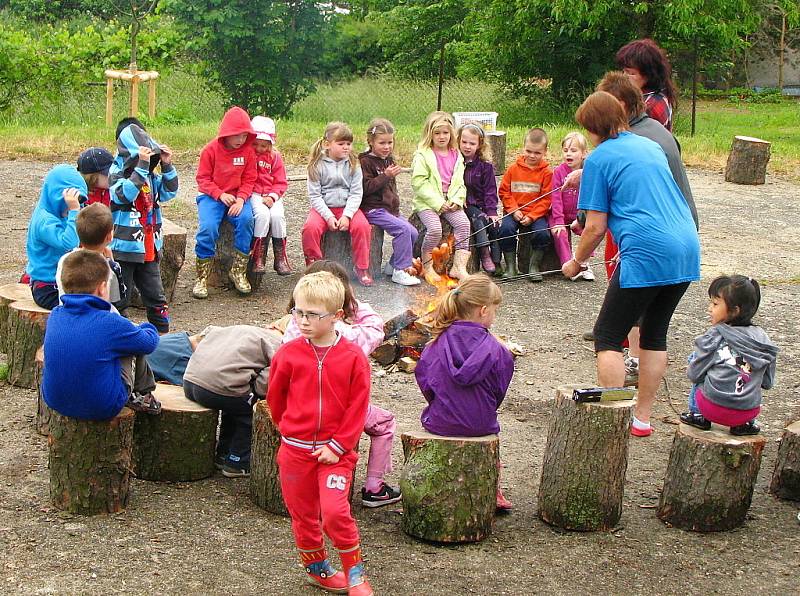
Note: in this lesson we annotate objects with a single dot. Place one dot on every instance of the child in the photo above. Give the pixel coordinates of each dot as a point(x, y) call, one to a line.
point(481, 194)
point(137, 193)
point(225, 178)
point(564, 202)
point(51, 231)
point(464, 372)
point(437, 177)
point(318, 395)
point(87, 347)
point(267, 198)
point(732, 361)
point(228, 371)
point(94, 164)
point(335, 191)
point(364, 327)
point(170, 359)
point(381, 203)
point(529, 178)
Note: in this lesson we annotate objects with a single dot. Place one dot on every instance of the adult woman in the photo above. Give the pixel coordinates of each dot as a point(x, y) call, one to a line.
point(648, 67)
point(627, 187)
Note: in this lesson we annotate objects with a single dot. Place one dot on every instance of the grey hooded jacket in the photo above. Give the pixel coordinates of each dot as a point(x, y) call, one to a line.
point(337, 185)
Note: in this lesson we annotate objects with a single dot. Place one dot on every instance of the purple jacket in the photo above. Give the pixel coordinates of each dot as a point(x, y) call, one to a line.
point(564, 203)
point(464, 376)
point(481, 186)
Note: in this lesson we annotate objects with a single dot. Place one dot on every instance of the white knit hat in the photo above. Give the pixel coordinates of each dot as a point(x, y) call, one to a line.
point(264, 127)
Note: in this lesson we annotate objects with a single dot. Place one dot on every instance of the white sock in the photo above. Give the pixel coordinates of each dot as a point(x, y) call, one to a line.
point(638, 424)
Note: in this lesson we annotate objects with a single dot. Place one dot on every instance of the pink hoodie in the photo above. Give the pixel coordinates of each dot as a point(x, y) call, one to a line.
point(366, 331)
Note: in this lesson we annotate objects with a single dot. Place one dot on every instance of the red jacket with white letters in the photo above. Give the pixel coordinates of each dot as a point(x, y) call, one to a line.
point(222, 169)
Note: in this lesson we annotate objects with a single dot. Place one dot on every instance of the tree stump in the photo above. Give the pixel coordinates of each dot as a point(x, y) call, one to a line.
point(178, 444)
point(10, 293)
point(218, 277)
point(786, 477)
point(173, 256)
point(710, 479)
point(747, 161)
point(265, 484)
point(474, 263)
point(584, 464)
point(90, 463)
point(43, 411)
point(497, 143)
point(336, 247)
point(26, 323)
point(449, 486)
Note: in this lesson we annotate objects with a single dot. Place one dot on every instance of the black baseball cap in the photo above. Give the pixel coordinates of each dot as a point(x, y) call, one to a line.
point(95, 159)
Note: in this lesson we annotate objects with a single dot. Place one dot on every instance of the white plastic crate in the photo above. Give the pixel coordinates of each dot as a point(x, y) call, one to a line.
point(487, 120)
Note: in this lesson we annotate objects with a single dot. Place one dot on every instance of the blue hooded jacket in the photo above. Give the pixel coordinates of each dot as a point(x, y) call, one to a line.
point(127, 175)
point(51, 234)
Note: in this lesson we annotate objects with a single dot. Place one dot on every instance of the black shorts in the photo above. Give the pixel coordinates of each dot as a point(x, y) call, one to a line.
point(651, 307)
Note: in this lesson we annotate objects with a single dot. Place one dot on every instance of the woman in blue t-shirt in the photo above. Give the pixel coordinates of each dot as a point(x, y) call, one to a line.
point(627, 187)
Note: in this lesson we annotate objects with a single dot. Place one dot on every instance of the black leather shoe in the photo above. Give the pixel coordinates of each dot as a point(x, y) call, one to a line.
point(748, 428)
point(696, 420)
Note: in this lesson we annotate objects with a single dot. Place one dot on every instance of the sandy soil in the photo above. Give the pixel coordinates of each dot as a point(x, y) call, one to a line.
point(207, 537)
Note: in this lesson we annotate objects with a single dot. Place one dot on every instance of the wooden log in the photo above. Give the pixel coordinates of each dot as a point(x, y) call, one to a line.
point(394, 325)
point(786, 477)
point(747, 161)
point(43, 411)
point(265, 484)
point(218, 278)
point(473, 265)
point(173, 256)
point(449, 486)
point(90, 463)
point(178, 444)
point(584, 464)
point(10, 293)
point(550, 261)
point(407, 364)
point(497, 143)
point(26, 323)
point(336, 247)
point(386, 353)
point(412, 337)
point(710, 479)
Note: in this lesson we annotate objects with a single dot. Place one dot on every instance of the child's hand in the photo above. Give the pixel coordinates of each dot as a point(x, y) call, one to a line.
point(344, 223)
point(166, 155)
point(393, 171)
point(227, 199)
point(518, 215)
point(72, 197)
point(525, 221)
point(145, 153)
point(333, 224)
point(495, 219)
point(559, 230)
point(324, 455)
point(236, 208)
point(269, 200)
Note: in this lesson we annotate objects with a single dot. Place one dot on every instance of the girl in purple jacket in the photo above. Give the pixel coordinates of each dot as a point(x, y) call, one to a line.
point(465, 371)
point(481, 205)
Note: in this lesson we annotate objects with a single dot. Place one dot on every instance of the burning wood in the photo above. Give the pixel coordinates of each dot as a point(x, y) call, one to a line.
point(394, 325)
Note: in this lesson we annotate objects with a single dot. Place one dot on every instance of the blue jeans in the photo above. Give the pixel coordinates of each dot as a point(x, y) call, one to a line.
point(210, 214)
point(540, 238)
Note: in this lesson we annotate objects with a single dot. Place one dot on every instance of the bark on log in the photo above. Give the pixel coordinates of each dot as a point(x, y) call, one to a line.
point(90, 463)
point(386, 353)
point(584, 464)
point(449, 486)
point(747, 161)
point(336, 247)
point(474, 263)
point(26, 323)
point(10, 293)
point(786, 477)
point(411, 337)
point(497, 143)
point(43, 411)
point(173, 256)
point(710, 479)
point(265, 484)
point(178, 444)
point(218, 278)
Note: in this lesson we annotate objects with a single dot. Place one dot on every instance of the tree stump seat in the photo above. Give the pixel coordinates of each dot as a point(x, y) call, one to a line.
point(747, 161)
point(223, 259)
point(786, 477)
point(178, 444)
point(474, 263)
point(43, 411)
point(584, 464)
point(449, 486)
point(26, 324)
point(173, 256)
point(10, 293)
point(90, 463)
point(710, 479)
point(336, 247)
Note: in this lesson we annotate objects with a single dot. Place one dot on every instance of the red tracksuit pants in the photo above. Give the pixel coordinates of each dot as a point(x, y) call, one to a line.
point(360, 236)
point(318, 498)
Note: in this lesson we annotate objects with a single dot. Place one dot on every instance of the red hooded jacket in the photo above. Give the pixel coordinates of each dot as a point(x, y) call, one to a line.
point(229, 170)
point(316, 404)
point(271, 174)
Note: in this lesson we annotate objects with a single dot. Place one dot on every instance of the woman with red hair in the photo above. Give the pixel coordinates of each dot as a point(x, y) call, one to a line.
point(648, 67)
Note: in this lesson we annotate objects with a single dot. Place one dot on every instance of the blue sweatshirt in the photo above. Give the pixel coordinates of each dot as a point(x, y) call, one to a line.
point(83, 344)
point(51, 233)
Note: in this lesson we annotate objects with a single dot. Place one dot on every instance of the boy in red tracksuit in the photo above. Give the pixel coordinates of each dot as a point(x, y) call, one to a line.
point(318, 396)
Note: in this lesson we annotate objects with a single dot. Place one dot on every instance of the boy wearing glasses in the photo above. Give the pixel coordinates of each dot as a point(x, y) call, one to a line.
point(318, 396)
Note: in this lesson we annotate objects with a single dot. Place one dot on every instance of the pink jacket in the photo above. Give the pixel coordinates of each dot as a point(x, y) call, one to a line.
point(366, 330)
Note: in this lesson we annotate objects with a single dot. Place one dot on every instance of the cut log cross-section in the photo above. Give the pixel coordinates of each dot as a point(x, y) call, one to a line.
point(265, 485)
point(710, 479)
point(26, 324)
point(336, 247)
point(449, 486)
point(747, 161)
point(90, 463)
point(585, 460)
point(10, 293)
point(178, 444)
point(786, 477)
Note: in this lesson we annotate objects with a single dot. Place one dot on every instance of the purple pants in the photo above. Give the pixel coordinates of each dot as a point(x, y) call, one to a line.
point(433, 228)
point(403, 235)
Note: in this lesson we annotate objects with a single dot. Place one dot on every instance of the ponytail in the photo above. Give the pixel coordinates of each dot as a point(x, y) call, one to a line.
point(459, 303)
point(313, 160)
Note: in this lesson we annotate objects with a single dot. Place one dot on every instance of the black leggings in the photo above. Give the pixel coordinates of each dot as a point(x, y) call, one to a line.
point(652, 307)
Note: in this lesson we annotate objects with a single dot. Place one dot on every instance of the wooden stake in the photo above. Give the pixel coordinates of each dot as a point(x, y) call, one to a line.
point(151, 98)
point(109, 102)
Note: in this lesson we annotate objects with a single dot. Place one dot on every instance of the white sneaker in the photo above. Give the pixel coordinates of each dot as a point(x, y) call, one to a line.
point(588, 275)
point(404, 279)
point(388, 270)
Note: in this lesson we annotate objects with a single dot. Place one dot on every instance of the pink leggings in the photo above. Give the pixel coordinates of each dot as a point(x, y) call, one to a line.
point(433, 228)
point(380, 426)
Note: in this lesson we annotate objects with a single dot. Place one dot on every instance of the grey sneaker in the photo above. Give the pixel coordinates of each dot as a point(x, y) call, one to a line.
point(231, 472)
point(388, 270)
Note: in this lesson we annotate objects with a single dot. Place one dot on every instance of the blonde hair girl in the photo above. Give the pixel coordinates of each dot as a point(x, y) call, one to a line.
point(335, 191)
point(483, 152)
point(437, 177)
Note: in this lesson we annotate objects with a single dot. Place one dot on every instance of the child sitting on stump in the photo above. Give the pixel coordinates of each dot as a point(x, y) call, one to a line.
point(88, 348)
point(465, 371)
point(733, 361)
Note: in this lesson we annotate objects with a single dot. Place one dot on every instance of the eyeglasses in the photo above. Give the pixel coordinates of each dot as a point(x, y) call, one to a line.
point(311, 317)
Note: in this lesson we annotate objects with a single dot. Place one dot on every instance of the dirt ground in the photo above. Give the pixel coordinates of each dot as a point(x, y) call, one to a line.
point(207, 537)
